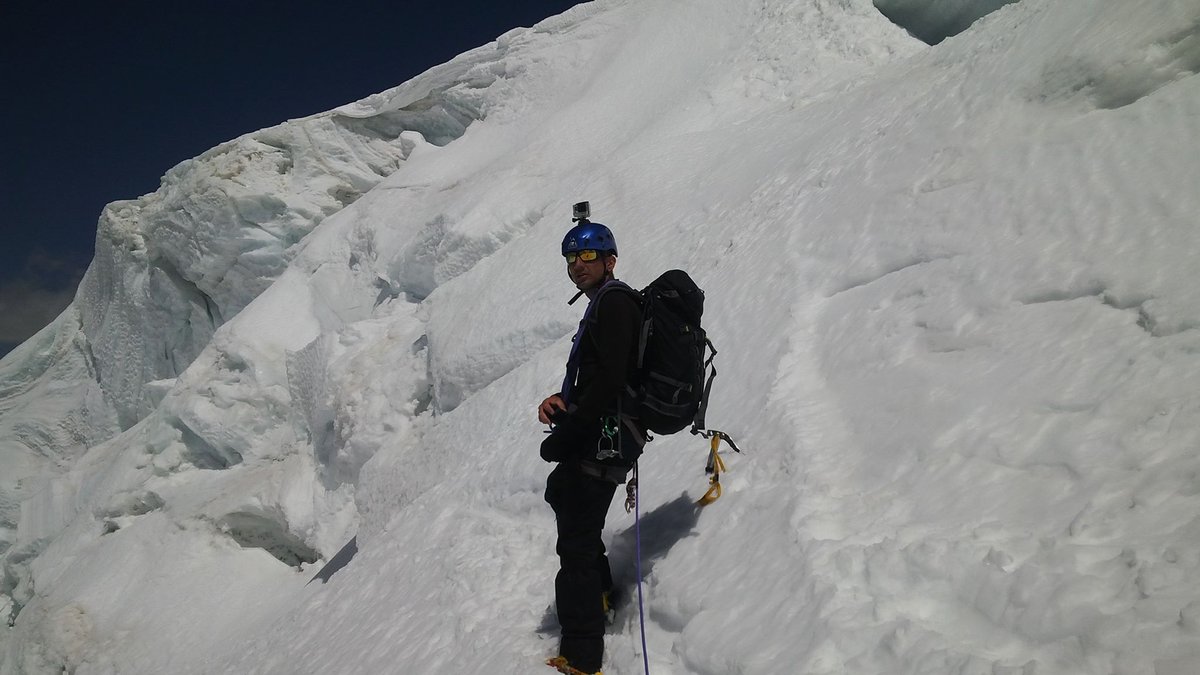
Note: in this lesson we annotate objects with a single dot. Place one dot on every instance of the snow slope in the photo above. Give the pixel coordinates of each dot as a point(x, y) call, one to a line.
point(958, 343)
point(173, 266)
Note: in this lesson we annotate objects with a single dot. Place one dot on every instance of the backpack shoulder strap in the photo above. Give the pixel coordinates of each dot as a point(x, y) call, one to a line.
point(611, 285)
point(643, 331)
point(615, 285)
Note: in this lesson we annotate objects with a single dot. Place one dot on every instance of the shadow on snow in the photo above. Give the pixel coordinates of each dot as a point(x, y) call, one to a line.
point(661, 529)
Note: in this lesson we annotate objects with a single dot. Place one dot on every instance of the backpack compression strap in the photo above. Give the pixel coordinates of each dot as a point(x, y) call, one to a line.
point(698, 422)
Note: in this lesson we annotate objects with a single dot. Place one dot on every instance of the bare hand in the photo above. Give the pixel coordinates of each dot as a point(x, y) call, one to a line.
point(549, 407)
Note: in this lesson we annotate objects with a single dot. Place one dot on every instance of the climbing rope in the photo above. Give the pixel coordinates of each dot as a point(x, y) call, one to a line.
point(715, 466)
point(637, 530)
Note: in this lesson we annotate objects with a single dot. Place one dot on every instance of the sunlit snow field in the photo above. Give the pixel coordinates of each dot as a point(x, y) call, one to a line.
point(952, 288)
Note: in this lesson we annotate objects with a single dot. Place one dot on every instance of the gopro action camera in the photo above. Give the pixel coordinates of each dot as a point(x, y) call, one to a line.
point(581, 211)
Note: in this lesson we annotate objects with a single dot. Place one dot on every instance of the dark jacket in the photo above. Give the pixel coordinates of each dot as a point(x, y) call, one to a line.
point(606, 357)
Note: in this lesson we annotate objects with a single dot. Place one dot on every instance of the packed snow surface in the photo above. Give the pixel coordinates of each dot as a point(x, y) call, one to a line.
point(952, 288)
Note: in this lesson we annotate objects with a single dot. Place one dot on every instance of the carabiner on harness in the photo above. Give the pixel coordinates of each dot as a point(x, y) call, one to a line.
point(606, 445)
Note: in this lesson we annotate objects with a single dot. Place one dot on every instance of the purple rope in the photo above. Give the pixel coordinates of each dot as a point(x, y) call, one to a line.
point(637, 528)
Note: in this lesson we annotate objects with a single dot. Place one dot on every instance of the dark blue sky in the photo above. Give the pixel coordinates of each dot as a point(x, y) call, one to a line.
point(101, 98)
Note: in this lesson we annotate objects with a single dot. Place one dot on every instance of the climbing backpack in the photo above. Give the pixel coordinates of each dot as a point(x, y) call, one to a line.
point(668, 390)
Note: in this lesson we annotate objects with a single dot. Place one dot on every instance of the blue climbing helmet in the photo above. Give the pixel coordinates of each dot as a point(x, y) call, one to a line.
point(589, 235)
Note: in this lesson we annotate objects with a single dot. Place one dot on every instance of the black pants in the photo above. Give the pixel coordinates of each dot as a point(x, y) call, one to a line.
point(580, 503)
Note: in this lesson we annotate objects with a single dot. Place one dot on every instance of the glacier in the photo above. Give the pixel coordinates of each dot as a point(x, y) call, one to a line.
point(951, 287)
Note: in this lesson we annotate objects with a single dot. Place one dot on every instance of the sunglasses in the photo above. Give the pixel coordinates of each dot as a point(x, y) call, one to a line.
point(586, 255)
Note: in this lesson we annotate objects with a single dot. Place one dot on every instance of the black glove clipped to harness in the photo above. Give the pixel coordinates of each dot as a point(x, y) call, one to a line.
point(564, 442)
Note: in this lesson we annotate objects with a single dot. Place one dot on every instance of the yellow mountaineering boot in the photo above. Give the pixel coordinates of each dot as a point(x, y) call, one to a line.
point(560, 664)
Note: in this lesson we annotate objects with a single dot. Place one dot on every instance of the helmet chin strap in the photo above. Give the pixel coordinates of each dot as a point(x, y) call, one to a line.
point(608, 276)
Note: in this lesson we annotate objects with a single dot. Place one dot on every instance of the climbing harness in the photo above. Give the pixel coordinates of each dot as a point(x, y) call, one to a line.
point(715, 464)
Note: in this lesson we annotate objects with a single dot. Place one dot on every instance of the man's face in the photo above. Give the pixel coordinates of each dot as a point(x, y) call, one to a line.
point(589, 274)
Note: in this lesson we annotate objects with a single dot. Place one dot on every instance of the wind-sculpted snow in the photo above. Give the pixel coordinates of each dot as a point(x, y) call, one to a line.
point(170, 268)
point(174, 266)
point(952, 292)
point(284, 407)
point(52, 411)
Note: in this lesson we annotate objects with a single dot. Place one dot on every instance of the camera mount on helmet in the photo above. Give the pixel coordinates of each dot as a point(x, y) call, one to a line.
point(581, 212)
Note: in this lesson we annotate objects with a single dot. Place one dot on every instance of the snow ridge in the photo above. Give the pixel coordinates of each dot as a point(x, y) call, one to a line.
point(951, 288)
